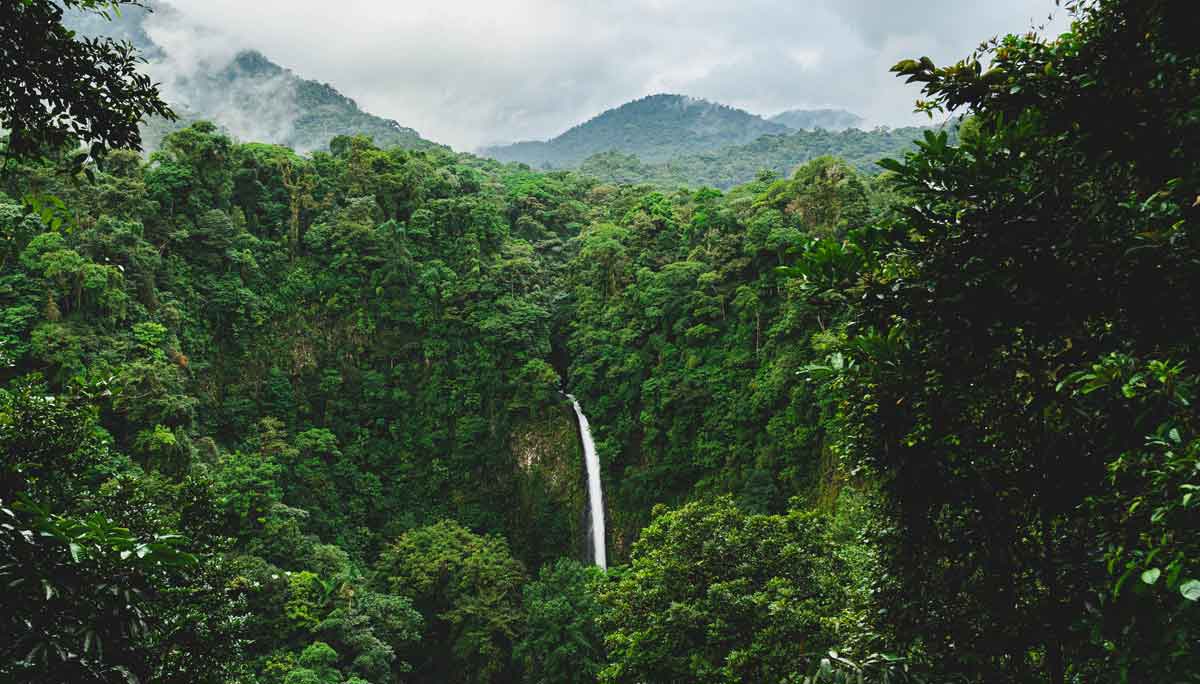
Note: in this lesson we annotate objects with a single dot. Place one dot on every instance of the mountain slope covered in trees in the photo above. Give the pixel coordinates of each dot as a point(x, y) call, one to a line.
point(779, 155)
point(672, 141)
point(273, 418)
point(655, 127)
point(243, 91)
point(345, 363)
point(255, 99)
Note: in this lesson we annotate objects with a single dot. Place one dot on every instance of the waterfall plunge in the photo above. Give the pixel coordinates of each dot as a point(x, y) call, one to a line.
point(595, 495)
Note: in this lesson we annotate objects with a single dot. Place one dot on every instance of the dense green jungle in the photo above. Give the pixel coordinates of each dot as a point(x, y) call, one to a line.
point(281, 418)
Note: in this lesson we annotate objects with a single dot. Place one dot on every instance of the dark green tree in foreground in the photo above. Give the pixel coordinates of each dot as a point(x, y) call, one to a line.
point(562, 640)
point(56, 87)
point(467, 587)
point(1025, 357)
point(98, 589)
point(715, 595)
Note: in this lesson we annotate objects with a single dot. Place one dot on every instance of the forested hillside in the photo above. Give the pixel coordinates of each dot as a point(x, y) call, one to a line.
point(270, 417)
point(322, 353)
point(672, 141)
point(655, 128)
point(333, 355)
point(244, 92)
point(253, 98)
point(772, 154)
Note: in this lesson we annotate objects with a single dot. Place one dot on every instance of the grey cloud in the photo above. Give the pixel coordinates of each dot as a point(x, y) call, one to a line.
point(482, 71)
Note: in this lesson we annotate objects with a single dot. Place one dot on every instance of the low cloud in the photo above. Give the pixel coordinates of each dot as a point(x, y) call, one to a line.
point(197, 71)
point(469, 73)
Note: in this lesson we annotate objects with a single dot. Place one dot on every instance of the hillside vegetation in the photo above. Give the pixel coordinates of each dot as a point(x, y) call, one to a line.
point(281, 418)
point(672, 141)
point(777, 155)
point(654, 128)
point(256, 99)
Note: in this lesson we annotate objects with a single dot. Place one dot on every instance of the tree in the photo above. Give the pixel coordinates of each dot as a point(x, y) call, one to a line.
point(1047, 242)
point(316, 666)
point(56, 87)
point(562, 640)
point(467, 589)
point(714, 595)
point(88, 597)
point(370, 628)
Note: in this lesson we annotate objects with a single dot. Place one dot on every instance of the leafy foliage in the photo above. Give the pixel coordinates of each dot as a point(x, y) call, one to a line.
point(714, 595)
point(562, 640)
point(293, 419)
point(467, 587)
point(87, 598)
point(1043, 264)
point(778, 153)
point(56, 88)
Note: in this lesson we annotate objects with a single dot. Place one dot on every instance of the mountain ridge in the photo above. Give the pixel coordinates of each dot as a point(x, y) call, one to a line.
point(244, 92)
point(655, 128)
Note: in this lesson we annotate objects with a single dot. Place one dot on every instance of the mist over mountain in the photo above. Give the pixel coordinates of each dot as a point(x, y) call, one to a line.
point(655, 128)
point(824, 119)
point(207, 74)
point(204, 74)
point(668, 140)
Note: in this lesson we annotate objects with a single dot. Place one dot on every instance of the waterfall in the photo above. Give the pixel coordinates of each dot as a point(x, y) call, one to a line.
point(595, 495)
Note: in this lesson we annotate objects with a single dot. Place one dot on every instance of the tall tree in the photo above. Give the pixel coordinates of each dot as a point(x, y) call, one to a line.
point(467, 588)
point(714, 595)
point(1050, 240)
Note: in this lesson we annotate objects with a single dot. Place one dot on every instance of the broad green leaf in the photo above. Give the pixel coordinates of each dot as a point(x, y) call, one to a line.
point(1190, 590)
point(1151, 576)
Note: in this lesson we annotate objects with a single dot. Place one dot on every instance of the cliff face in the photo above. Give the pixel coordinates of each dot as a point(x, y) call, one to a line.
point(551, 484)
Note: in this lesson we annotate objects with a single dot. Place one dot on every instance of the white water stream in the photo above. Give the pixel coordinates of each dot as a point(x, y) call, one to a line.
point(595, 495)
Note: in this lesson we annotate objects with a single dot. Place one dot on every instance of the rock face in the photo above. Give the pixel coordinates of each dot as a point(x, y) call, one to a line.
point(552, 483)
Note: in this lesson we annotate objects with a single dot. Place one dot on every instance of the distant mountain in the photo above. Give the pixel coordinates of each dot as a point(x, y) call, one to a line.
point(736, 164)
point(256, 99)
point(244, 92)
point(813, 119)
point(654, 128)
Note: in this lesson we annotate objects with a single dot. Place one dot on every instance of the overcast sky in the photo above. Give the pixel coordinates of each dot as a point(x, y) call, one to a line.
point(473, 72)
